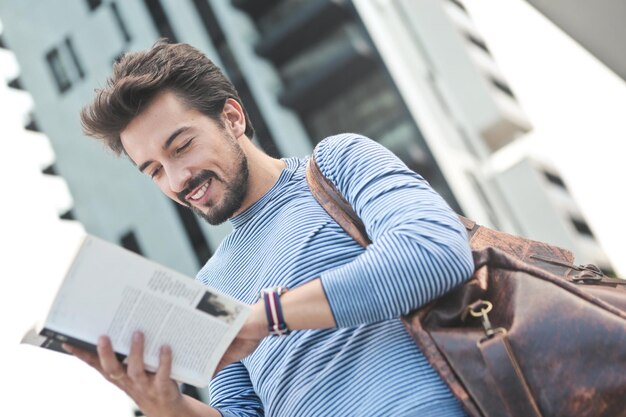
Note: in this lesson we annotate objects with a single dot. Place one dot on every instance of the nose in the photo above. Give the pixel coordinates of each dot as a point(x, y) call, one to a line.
point(178, 177)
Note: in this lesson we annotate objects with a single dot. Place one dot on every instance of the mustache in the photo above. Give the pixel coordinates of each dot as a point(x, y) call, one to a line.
point(194, 183)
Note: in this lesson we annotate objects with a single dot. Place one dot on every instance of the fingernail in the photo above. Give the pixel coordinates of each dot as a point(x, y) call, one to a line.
point(102, 341)
point(137, 336)
point(66, 348)
point(165, 349)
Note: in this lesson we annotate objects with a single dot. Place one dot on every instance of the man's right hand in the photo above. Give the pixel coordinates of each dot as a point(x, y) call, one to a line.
point(156, 394)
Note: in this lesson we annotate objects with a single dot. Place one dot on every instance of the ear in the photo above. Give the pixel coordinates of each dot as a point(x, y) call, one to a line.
point(234, 118)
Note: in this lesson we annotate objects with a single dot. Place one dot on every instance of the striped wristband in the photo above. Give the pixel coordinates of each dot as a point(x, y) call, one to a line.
point(274, 312)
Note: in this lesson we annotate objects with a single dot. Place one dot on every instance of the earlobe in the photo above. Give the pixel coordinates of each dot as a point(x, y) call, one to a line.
point(234, 117)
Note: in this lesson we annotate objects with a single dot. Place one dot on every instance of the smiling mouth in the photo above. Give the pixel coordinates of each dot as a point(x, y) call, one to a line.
point(199, 192)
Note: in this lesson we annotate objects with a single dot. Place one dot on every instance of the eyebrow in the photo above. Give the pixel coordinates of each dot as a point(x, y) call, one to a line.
point(167, 144)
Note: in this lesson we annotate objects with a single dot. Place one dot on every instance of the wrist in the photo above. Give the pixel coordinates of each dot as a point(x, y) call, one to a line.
point(256, 324)
point(191, 407)
point(172, 407)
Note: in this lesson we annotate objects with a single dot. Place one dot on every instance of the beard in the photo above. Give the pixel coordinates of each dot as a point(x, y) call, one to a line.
point(235, 189)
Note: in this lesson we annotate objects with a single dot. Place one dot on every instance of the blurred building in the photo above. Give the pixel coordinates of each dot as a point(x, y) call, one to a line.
point(415, 75)
point(34, 241)
point(22, 139)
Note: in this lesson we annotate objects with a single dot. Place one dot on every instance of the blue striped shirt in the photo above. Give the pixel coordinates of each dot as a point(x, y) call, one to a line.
point(368, 365)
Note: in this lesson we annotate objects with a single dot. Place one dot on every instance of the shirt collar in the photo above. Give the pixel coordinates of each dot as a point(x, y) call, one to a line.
point(292, 165)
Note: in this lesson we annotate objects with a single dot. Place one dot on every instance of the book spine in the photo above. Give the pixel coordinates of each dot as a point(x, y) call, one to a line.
point(54, 341)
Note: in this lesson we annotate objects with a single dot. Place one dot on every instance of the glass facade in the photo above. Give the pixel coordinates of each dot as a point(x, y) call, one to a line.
point(334, 79)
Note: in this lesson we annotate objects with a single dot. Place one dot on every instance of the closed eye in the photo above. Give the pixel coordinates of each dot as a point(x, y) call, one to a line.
point(180, 149)
point(155, 172)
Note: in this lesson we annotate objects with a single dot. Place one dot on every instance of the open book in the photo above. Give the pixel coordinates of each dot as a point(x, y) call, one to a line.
point(111, 291)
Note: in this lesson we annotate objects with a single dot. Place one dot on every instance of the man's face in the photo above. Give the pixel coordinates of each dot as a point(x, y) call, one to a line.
point(194, 160)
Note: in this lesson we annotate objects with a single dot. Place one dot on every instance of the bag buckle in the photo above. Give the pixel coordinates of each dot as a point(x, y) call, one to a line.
point(480, 309)
point(587, 274)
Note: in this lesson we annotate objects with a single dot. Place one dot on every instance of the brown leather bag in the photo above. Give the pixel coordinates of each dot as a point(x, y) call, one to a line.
point(530, 334)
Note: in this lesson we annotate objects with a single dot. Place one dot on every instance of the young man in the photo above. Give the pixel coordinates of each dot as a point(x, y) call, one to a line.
point(176, 117)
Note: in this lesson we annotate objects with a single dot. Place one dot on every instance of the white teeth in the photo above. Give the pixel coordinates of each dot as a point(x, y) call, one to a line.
point(200, 193)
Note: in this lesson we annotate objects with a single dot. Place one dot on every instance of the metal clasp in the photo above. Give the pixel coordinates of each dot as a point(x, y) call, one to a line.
point(480, 309)
point(588, 274)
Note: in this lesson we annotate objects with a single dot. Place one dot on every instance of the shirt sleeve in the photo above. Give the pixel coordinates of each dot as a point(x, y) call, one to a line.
point(232, 394)
point(419, 247)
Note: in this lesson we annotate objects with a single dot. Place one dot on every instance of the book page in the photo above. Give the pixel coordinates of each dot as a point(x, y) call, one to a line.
point(32, 337)
point(111, 291)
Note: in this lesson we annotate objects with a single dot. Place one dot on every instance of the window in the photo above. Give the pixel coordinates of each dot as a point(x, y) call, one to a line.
point(120, 22)
point(502, 87)
point(75, 61)
point(194, 233)
point(32, 124)
point(50, 170)
point(159, 18)
point(93, 4)
point(58, 70)
point(458, 4)
point(582, 227)
point(280, 12)
point(555, 179)
point(479, 43)
point(129, 241)
point(68, 215)
point(368, 106)
point(64, 65)
point(16, 84)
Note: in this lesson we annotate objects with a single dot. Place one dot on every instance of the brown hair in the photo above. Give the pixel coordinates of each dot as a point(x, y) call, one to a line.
point(138, 77)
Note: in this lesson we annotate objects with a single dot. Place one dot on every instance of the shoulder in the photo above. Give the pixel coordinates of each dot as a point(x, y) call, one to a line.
point(357, 156)
point(344, 145)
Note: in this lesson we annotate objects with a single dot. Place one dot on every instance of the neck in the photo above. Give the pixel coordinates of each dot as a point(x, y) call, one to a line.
point(263, 173)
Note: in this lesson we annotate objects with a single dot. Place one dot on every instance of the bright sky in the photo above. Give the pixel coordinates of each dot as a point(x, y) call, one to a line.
point(576, 106)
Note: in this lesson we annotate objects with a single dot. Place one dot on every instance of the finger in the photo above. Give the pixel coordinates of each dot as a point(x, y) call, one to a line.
point(111, 367)
point(89, 357)
point(165, 365)
point(135, 367)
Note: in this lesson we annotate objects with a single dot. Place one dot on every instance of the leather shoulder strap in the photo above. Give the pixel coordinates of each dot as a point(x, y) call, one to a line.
point(335, 204)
